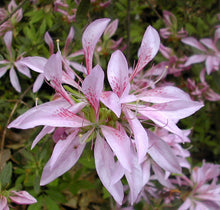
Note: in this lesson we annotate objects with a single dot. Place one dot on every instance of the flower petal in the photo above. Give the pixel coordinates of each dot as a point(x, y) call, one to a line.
point(140, 135)
point(105, 167)
point(44, 131)
point(38, 83)
point(35, 63)
point(55, 113)
point(14, 79)
point(195, 59)
point(22, 197)
point(178, 109)
point(49, 41)
point(162, 154)
point(111, 100)
point(90, 37)
point(3, 203)
point(8, 40)
point(149, 47)
point(118, 72)
point(194, 43)
point(69, 39)
point(119, 143)
point(92, 87)
point(163, 95)
point(65, 154)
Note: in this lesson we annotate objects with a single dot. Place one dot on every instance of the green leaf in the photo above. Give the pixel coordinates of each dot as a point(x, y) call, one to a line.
point(37, 184)
point(38, 205)
point(82, 10)
point(42, 28)
point(6, 174)
point(51, 204)
point(56, 195)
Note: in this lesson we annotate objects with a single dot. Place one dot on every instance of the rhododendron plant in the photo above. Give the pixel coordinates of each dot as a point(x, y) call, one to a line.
point(121, 124)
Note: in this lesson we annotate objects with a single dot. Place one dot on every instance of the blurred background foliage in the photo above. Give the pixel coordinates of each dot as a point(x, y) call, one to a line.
point(79, 188)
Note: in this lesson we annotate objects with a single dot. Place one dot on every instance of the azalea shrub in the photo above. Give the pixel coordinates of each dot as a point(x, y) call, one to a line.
point(99, 112)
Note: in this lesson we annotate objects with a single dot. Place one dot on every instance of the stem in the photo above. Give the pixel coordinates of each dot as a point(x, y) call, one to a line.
point(13, 12)
point(8, 121)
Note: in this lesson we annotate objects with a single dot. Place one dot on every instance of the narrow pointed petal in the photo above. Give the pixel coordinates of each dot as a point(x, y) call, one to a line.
point(209, 44)
point(69, 39)
point(162, 154)
point(8, 40)
point(161, 176)
point(140, 135)
point(149, 47)
point(55, 113)
point(22, 68)
point(53, 73)
point(46, 130)
point(161, 120)
point(111, 28)
point(22, 197)
point(179, 109)
point(195, 59)
point(78, 67)
point(209, 64)
point(105, 167)
point(134, 177)
point(14, 79)
point(49, 41)
point(3, 203)
point(186, 205)
point(65, 154)
point(119, 143)
point(53, 68)
point(118, 72)
point(90, 38)
point(194, 43)
point(38, 83)
point(35, 63)
point(3, 70)
point(163, 95)
point(146, 171)
point(92, 87)
point(111, 100)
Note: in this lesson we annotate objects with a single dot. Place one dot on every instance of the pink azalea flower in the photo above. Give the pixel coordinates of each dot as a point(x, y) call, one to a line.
point(202, 90)
point(171, 27)
point(203, 195)
point(211, 54)
point(16, 17)
point(12, 64)
point(62, 7)
point(123, 147)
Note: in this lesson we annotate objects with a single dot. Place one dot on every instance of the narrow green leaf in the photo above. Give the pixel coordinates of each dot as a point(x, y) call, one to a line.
point(5, 175)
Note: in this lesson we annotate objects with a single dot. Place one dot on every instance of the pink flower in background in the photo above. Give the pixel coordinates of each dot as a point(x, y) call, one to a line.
point(202, 90)
point(62, 7)
point(210, 52)
point(16, 17)
point(205, 193)
point(20, 197)
point(13, 63)
point(171, 27)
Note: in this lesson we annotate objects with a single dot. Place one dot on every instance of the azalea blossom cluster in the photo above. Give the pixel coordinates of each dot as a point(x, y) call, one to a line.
point(131, 126)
